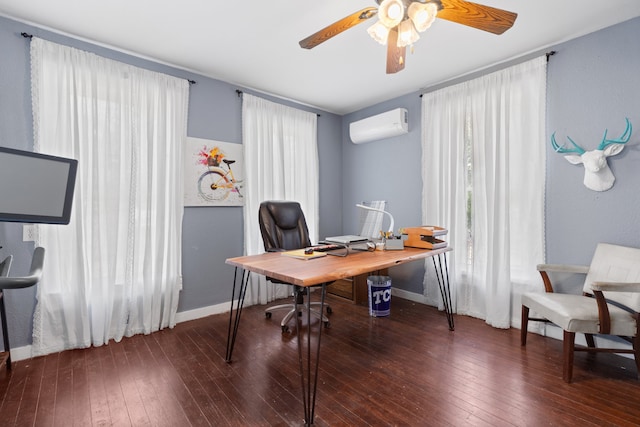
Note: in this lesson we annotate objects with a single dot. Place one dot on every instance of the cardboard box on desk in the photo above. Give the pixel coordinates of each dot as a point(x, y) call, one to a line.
point(426, 237)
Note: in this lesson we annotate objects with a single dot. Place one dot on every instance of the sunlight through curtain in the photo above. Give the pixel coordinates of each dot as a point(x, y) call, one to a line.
point(115, 270)
point(281, 163)
point(483, 172)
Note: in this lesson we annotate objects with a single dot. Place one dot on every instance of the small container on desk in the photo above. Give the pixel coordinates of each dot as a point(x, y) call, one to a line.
point(425, 236)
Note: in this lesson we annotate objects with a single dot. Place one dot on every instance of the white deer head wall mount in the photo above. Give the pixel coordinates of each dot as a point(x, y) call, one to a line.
point(597, 175)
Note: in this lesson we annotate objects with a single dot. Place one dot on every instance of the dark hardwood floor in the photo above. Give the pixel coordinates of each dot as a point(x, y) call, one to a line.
point(404, 370)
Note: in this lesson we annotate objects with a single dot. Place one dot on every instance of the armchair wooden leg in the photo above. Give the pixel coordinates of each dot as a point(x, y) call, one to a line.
point(590, 341)
point(524, 324)
point(636, 353)
point(569, 346)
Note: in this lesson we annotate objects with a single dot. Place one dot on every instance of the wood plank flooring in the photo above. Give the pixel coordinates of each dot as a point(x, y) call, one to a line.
point(404, 370)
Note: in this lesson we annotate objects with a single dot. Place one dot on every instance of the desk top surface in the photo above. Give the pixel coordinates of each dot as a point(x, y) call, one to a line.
point(330, 268)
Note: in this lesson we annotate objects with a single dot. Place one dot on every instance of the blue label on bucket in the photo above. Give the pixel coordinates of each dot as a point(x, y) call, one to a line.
point(379, 295)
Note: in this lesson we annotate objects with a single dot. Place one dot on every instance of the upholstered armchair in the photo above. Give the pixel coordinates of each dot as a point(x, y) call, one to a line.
point(609, 305)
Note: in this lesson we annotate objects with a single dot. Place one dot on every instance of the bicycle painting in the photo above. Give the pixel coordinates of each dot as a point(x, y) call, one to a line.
point(213, 173)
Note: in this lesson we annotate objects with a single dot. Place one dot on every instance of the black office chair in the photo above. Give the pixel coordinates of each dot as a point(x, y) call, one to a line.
point(284, 228)
point(6, 282)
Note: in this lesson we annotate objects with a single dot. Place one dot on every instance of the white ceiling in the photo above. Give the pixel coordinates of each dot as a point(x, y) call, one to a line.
point(254, 43)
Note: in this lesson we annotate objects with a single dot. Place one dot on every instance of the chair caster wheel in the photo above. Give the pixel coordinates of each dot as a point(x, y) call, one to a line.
point(267, 314)
point(327, 324)
point(285, 329)
point(329, 310)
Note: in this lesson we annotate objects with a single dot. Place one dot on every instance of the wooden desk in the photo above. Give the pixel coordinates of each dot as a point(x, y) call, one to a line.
point(320, 272)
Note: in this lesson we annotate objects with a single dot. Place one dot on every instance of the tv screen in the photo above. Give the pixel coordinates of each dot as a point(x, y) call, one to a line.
point(36, 187)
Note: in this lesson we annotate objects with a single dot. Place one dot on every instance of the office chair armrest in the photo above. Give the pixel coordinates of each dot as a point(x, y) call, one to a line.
point(616, 286)
point(31, 279)
point(18, 282)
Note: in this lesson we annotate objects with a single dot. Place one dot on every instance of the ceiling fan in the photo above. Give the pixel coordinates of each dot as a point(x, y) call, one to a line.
point(399, 22)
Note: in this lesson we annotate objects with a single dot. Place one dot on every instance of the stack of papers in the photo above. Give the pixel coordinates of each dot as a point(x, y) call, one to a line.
point(299, 253)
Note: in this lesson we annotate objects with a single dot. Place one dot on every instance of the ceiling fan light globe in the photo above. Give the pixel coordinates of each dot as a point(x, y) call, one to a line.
point(391, 12)
point(407, 34)
point(379, 32)
point(422, 14)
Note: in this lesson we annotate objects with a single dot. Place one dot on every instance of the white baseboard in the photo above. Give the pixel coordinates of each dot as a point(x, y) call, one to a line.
point(23, 353)
point(411, 296)
point(198, 313)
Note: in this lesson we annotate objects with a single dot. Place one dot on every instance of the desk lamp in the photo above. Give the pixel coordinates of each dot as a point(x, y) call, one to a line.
point(388, 240)
point(390, 232)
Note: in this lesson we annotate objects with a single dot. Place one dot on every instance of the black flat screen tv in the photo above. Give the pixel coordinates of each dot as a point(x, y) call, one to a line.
point(36, 188)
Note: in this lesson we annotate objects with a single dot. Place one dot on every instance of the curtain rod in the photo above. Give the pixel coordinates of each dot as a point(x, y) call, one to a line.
point(30, 36)
point(548, 55)
point(239, 93)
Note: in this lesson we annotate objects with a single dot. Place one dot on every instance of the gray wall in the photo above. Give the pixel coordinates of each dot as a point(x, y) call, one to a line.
point(593, 84)
point(210, 235)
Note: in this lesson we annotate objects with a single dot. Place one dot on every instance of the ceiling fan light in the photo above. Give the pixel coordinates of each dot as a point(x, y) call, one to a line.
point(407, 33)
point(422, 14)
point(379, 32)
point(391, 12)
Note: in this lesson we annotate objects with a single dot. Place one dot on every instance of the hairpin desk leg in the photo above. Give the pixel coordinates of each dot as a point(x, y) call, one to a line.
point(306, 359)
point(442, 274)
point(239, 301)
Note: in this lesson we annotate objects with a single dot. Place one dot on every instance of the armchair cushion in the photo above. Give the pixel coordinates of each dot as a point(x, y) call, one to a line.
point(577, 313)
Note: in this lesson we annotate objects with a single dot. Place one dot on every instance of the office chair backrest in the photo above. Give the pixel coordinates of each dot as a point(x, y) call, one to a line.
point(283, 225)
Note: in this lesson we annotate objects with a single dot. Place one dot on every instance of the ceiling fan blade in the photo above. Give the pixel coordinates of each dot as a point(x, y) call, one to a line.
point(337, 27)
point(395, 55)
point(479, 16)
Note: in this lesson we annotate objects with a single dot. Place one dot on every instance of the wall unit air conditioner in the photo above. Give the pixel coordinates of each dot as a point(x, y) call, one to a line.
point(380, 126)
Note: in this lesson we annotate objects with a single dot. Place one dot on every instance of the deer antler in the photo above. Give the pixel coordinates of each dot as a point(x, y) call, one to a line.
point(624, 138)
point(562, 149)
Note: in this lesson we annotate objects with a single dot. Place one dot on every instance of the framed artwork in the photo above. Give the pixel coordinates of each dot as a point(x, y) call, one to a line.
point(214, 173)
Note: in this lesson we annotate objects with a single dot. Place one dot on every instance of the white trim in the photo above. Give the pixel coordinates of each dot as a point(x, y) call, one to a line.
point(411, 296)
point(198, 313)
point(23, 353)
point(552, 331)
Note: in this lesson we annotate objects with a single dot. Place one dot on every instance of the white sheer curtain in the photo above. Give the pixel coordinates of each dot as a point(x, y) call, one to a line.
point(115, 270)
point(483, 179)
point(281, 163)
